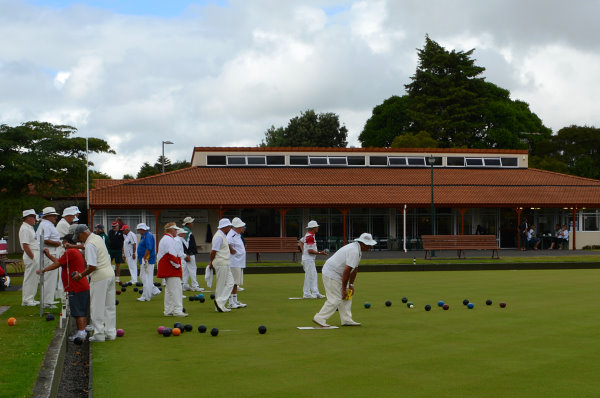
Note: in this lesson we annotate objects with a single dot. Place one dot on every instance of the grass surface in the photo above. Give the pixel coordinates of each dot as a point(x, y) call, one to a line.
point(544, 344)
point(23, 346)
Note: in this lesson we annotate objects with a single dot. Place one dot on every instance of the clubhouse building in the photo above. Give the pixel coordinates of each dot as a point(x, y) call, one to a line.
point(387, 192)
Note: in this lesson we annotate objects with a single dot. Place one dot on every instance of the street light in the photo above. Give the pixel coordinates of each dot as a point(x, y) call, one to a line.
point(431, 161)
point(163, 154)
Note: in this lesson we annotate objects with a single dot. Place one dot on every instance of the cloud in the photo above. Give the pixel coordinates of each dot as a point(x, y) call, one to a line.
point(220, 74)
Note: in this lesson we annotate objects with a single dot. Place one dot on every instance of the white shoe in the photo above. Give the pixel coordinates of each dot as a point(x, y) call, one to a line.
point(110, 338)
point(182, 297)
point(51, 306)
point(309, 296)
point(351, 323)
point(240, 289)
point(181, 314)
point(117, 280)
point(234, 306)
point(30, 304)
point(197, 289)
point(89, 328)
point(186, 288)
point(319, 296)
point(97, 339)
point(321, 324)
point(241, 305)
point(142, 299)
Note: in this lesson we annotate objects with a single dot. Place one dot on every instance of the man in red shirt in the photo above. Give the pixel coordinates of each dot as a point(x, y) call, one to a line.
point(79, 291)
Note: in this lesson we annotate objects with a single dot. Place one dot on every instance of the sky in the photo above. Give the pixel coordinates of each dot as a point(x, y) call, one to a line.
point(221, 72)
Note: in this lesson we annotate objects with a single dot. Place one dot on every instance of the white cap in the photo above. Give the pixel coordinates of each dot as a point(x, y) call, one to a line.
point(69, 211)
point(48, 211)
point(312, 224)
point(29, 212)
point(181, 231)
point(237, 222)
point(367, 239)
point(75, 209)
point(224, 222)
point(142, 226)
point(187, 220)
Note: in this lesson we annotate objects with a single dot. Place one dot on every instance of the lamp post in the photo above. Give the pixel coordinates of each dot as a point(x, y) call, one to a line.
point(431, 161)
point(163, 154)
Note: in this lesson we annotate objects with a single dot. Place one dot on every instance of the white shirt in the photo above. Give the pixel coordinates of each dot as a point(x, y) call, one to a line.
point(49, 233)
point(565, 234)
point(237, 260)
point(27, 236)
point(128, 242)
point(348, 255)
point(168, 244)
point(220, 245)
point(183, 245)
point(96, 255)
point(309, 243)
point(63, 227)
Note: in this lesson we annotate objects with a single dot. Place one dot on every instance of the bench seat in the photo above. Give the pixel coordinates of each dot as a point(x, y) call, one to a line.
point(460, 243)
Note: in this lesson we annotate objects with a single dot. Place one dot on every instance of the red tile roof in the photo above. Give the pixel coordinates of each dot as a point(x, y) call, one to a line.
point(245, 187)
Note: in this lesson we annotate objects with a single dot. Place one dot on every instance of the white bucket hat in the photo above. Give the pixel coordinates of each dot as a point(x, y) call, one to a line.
point(187, 220)
point(29, 212)
point(142, 226)
point(224, 222)
point(367, 239)
point(69, 211)
point(312, 224)
point(48, 211)
point(181, 231)
point(75, 209)
point(237, 222)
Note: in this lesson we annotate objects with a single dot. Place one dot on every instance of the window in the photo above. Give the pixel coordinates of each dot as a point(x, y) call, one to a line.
point(236, 160)
point(216, 160)
point(455, 161)
point(474, 162)
point(396, 161)
point(356, 160)
point(318, 160)
point(276, 160)
point(416, 161)
point(509, 162)
point(591, 220)
point(338, 161)
point(378, 160)
point(256, 160)
point(492, 162)
point(298, 160)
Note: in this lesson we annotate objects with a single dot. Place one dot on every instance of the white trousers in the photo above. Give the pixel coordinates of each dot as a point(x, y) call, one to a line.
point(147, 278)
point(173, 296)
point(333, 290)
point(50, 282)
point(30, 278)
point(132, 265)
point(103, 309)
point(224, 284)
point(311, 280)
point(60, 290)
point(189, 269)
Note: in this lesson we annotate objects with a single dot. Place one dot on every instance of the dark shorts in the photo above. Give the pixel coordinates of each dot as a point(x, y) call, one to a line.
point(79, 303)
point(117, 255)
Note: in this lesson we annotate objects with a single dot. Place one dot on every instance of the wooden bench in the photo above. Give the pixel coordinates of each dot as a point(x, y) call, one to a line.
point(272, 245)
point(460, 243)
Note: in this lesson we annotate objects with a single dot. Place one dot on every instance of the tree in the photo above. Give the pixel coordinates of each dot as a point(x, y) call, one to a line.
point(309, 130)
point(128, 177)
point(574, 150)
point(449, 99)
point(409, 140)
point(41, 161)
point(149, 170)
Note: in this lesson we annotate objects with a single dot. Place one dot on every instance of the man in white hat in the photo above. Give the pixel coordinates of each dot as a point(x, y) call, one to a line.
point(219, 262)
point(308, 245)
point(129, 246)
point(189, 264)
point(146, 254)
point(339, 273)
point(51, 238)
point(31, 252)
point(169, 267)
point(237, 260)
point(103, 310)
point(68, 217)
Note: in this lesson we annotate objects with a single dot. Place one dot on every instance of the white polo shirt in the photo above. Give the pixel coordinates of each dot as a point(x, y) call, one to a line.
point(49, 233)
point(237, 260)
point(96, 254)
point(27, 236)
point(348, 255)
point(128, 242)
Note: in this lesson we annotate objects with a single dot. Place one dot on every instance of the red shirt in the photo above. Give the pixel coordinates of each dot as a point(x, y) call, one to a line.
point(73, 261)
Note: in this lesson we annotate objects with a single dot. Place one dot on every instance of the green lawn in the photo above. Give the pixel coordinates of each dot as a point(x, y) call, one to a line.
point(544, 344)
point(22, 347)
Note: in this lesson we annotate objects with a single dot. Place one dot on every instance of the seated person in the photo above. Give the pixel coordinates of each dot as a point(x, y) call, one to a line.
point(564, 238)
point(556, 237)
point(532, 238)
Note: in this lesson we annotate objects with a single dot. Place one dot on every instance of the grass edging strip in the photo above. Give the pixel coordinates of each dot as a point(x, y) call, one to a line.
point(50, 372)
